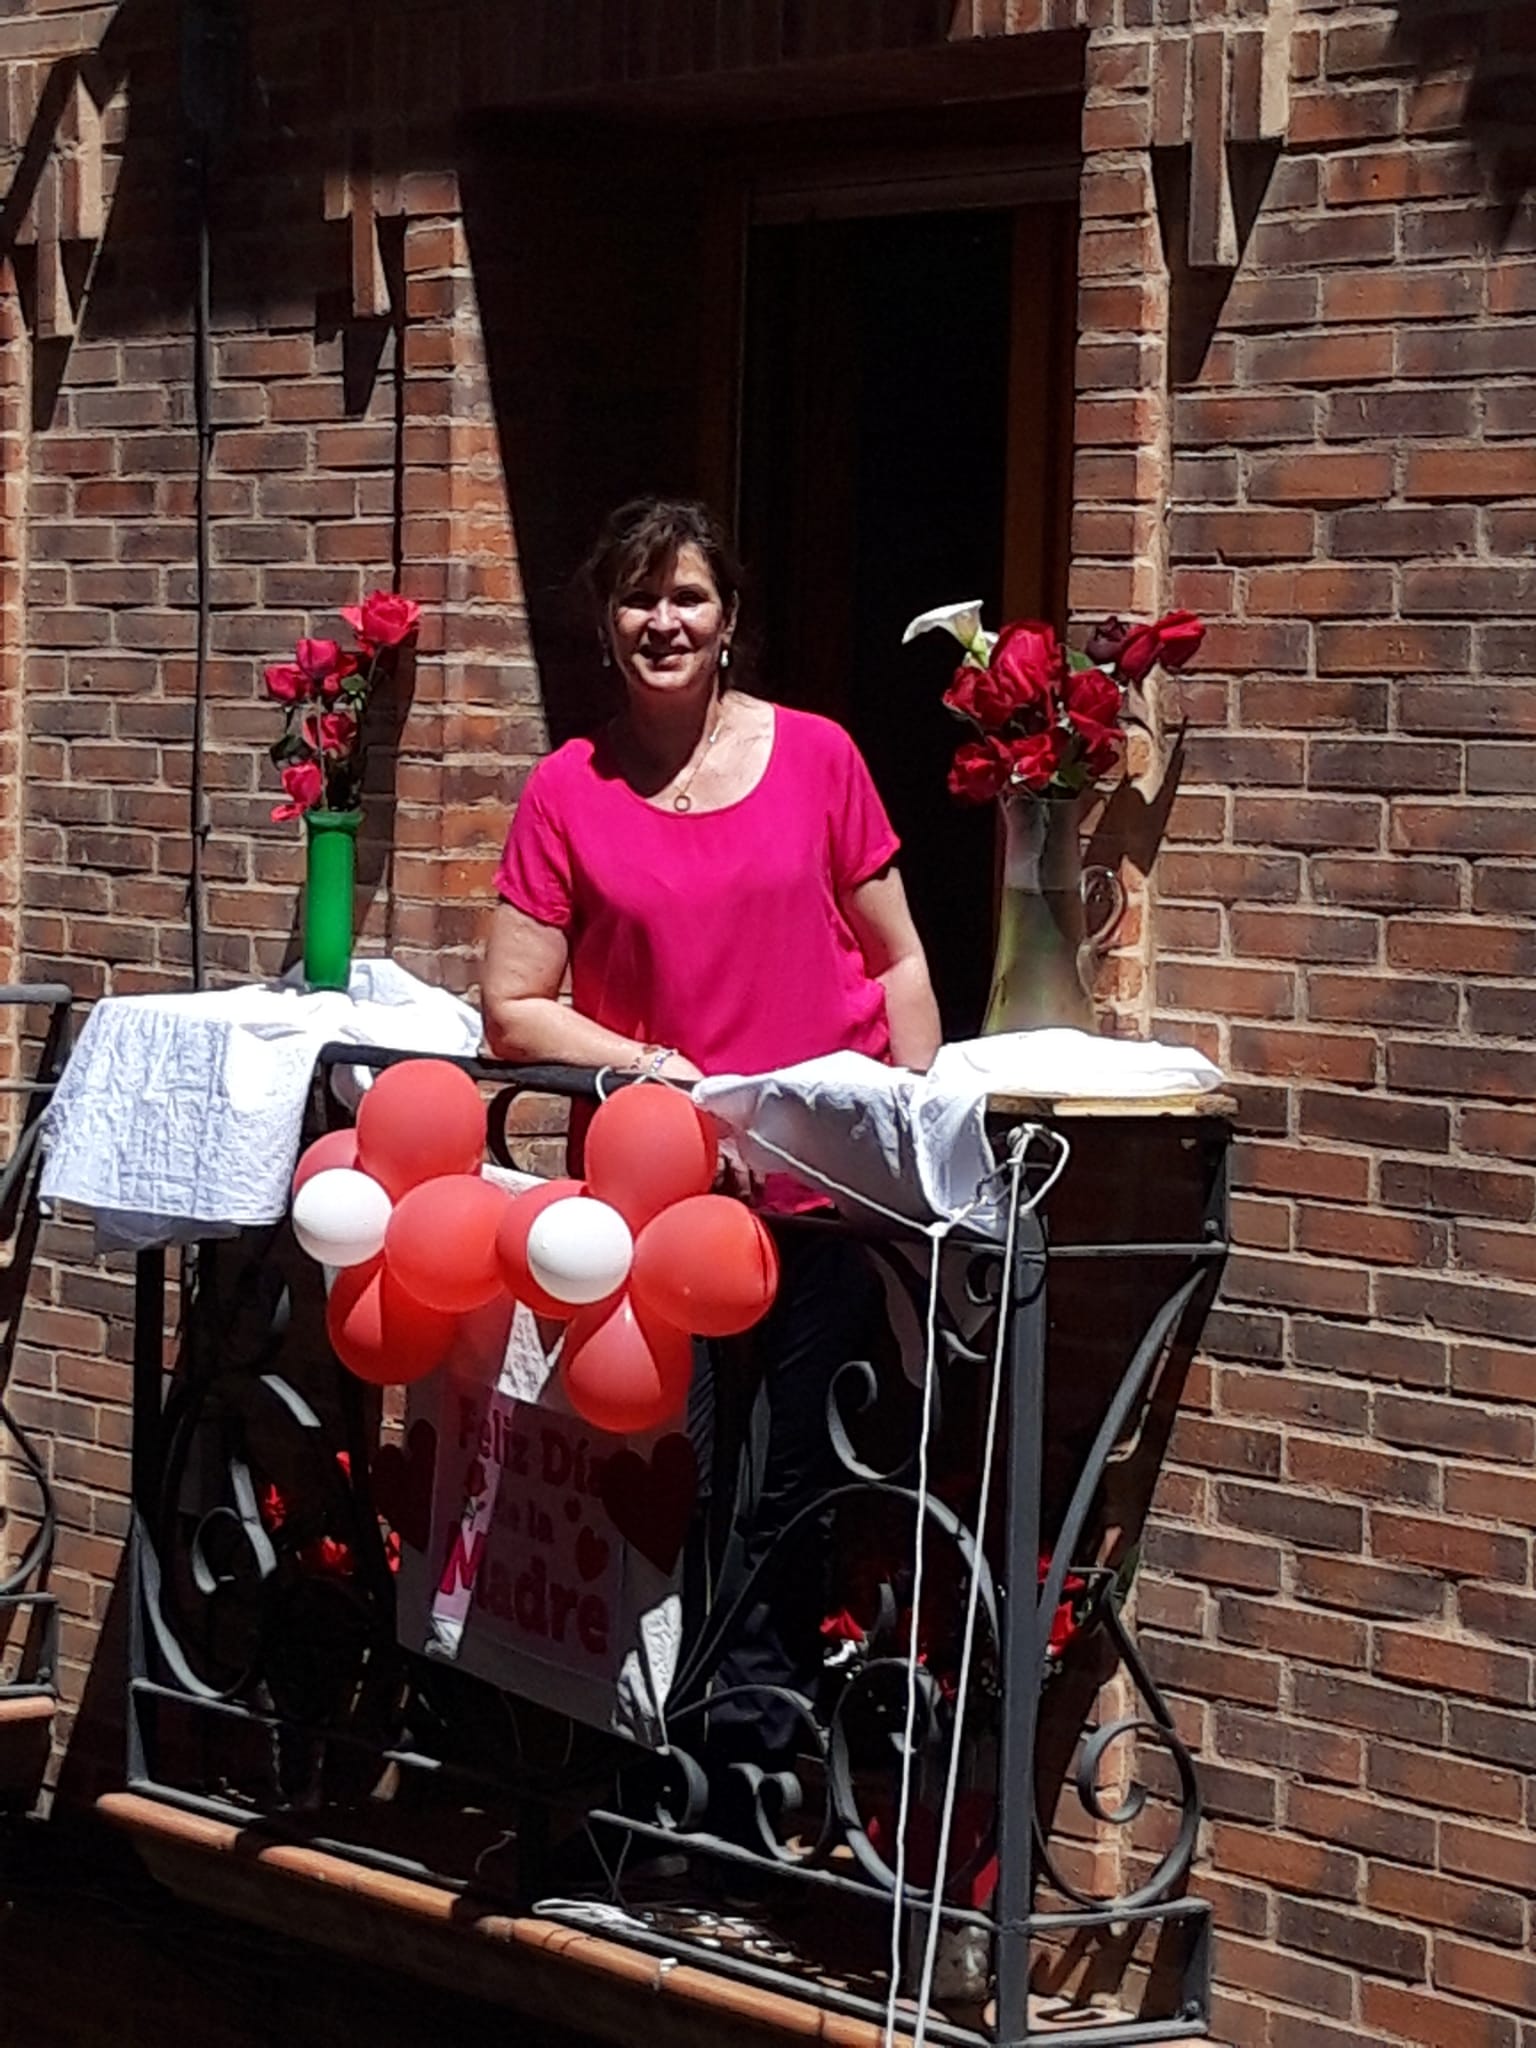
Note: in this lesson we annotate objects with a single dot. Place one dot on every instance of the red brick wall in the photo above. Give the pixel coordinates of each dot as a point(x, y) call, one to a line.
point(1331, 454)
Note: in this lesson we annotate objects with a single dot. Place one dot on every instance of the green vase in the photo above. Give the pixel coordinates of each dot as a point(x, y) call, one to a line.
point(1042, 974)
point(328, 882)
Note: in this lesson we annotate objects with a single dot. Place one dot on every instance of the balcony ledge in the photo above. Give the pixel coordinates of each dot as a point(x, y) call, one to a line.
point(548, 1972)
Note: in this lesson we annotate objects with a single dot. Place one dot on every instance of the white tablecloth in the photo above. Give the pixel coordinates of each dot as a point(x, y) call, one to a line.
point(178, 1116)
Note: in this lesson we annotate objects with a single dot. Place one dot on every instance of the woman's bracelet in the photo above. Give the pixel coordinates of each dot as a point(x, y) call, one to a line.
point(653, 1058)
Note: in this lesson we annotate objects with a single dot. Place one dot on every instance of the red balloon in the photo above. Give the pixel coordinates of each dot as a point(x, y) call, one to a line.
point(646, 1147)
point(622, 1370)
point(512, 1247)
point(336, 1148)
point(379, 1332)
point(441, 1242)
point(707, 1265)
point(420, 1120)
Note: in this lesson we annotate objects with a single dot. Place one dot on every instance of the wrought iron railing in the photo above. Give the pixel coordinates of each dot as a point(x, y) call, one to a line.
point(268, 1686)
point(28, 1611)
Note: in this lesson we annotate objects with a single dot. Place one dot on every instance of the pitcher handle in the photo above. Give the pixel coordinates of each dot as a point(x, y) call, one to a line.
point(1102, 885)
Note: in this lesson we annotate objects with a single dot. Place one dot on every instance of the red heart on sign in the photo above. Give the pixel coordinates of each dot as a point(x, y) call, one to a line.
point(651, 1502)
point(402, 1485)
point(591, 1555)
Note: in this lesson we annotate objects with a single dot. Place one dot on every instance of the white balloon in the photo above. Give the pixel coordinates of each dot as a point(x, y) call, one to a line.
point(340, 1216)
point(579, 1249)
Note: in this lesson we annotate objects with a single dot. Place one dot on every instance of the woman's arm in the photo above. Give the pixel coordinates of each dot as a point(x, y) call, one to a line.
point(882, 924)
point(525, 1019)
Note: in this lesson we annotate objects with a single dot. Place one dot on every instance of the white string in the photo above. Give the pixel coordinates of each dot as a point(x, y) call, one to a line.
point(1023, 1605)
point(1023, 1138)
point(904, 1800)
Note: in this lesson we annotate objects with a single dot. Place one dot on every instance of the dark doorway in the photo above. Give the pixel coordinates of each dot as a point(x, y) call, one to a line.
point(899, 451)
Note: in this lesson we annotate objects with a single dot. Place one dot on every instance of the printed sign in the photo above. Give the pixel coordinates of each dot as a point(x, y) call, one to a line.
point(525, 1578)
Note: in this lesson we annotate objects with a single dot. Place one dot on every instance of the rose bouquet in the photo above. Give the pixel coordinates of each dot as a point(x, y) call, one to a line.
point(325, 690)
point(1048, 721)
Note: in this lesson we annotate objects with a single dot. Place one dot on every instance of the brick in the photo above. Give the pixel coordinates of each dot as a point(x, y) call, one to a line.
point(1277, 1974)
point(1331, 478)
point(1501, 1133)
point(1302, 1170)
point(1463, 591)
point(1228, 991)
point(1217, 1560)
point(1381, 1711)
point(1287, 1862)
point(1293, 1398)
point(1470, 473)
point(1330, 358)
point(1381, 999)
point(1455, 1550)
point(1300, 1633)
point(1482, 1852)
point(1201, 420)
point(1470, 1070)
point(1208, 1672)
point(1431, 2022)
point(1371, 1826)
point(1491, 1372)
point(1320, 591)
point(1352, 1937)
point(1247, 534)
point(1399, 415)
point(1400, 532)
point(1281, 1053)
point(1403, 295)
point(1444, 1665)
point(1469, 946)
point(1430, 1778)
point(1503, 1254)
point(1357, 1587)
point(1287, 1517)
point(1484, 1974)
point(1335, 239)
point(1456, 1190)
point(1393, 649)
point(1356, 1469)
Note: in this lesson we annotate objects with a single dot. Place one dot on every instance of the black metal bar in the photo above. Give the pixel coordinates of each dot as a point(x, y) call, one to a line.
point(1022, 1664)
point(182, 1436)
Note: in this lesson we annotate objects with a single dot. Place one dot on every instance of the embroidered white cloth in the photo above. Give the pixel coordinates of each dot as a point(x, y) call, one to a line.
point(178, 1116)
point(917, 1143)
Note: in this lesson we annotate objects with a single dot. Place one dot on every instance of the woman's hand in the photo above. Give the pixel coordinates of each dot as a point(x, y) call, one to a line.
point(675, 1067)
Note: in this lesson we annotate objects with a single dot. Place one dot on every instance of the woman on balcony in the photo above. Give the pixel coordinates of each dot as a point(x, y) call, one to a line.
point(717, 874)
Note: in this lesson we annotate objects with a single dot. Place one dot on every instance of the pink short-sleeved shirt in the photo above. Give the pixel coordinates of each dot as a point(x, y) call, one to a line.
point(718, 932)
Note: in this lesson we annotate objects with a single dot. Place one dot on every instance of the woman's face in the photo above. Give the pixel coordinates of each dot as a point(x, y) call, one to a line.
point(670, 628)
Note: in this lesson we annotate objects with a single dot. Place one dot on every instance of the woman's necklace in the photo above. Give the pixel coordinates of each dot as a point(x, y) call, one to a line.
point(681, 800)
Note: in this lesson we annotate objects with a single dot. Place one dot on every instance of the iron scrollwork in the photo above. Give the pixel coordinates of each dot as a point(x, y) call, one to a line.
point(243, 1618)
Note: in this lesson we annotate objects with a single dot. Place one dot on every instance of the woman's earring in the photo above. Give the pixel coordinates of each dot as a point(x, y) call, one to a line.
point(607, 658)
point(725, 657)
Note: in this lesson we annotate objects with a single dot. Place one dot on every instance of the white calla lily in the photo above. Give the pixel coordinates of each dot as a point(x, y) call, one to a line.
point(963, 620)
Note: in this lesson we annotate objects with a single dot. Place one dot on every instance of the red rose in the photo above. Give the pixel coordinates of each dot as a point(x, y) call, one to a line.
point(1138, 654)
point(1172, 640)
point(382, 619)
point(286, 683)
point(317, 659)
point(1092, 704)
point(980, 769)
point(1178, 638)
point(338, 729)
point(1107, 639)
point(1029, 662)
point(1035, 760)
point(305, 786)
point(979, 694)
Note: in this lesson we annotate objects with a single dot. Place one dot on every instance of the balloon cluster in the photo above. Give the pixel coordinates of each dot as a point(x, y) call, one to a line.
point(637, 1260)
